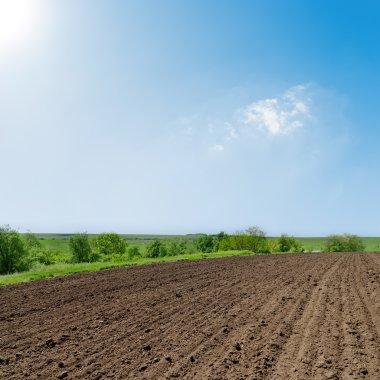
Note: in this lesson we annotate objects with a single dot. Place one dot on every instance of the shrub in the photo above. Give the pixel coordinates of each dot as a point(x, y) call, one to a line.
point(264, 247)
point(156, 249)
point(252, 239)
point(257, 241)
point(81, 249)
point(273, 246)
point(298, 247)
point(13, 253)
point(205, 244)
point(218, 239)
point(244, 242)
point(225, 244)
point(344, 243)
point(289, 244)
point(133, 252)
point(176, 248)
point(109, 243)
point(41, 256)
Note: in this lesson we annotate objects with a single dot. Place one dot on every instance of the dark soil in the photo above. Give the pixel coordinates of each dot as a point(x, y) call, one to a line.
point(306, 316)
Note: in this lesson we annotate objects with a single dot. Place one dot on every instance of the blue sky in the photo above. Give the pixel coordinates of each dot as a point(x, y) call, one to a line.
point(179, 116)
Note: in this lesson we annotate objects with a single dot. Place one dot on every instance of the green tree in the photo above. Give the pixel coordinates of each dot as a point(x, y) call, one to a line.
point(218, 239)
point(81, 249)
point(134, 252)
point(253, 239)
point(226, 244)
point(109, 243)
point(289, 244)
point(37, 253)
point(285, 243)
point(205, 243)
point(257, 243)
point(176, 248)
point(13, 253)
point(344, 243)
point(40, 255)
point(255, 231)
point(156, 249)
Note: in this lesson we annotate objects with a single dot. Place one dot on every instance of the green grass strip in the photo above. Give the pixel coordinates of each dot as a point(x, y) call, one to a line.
point(64, 269)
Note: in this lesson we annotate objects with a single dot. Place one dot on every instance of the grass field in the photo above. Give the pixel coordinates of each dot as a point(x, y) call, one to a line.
point(317, 243)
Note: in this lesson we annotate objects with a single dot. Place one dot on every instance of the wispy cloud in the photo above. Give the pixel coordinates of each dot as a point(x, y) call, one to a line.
point(231, 132)
point(281, 115)
point(217, 148)
point(277, 116)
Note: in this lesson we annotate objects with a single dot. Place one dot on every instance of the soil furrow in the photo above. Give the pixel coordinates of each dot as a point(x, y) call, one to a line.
point(295, 316)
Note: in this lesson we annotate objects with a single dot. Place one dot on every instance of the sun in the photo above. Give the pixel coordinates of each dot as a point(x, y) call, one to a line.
point(18, 19)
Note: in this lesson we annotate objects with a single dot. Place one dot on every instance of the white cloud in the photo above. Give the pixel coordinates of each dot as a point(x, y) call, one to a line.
point(281, 115)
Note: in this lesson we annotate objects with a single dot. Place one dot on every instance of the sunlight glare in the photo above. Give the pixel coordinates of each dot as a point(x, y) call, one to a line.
point(18, 19)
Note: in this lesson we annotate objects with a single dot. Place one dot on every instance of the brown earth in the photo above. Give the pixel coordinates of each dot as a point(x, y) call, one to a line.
point(307, 316)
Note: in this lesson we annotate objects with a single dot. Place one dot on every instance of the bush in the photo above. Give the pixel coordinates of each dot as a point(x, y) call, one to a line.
point(344, 243)
point(244, 243)
point(218, 239)
point(298, 247)
point(225, 244)
point(109, 243)
point(273, 246)
point(156, 249)
point(134, 252)
point(289, 244)
point(176, 248)
point(81, 249)
point(205, 244)
point(13, 253)
point(37, 254)
point(264, 247)
point(41, 256)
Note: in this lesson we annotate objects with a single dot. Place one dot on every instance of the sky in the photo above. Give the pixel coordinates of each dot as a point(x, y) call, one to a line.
point(187, 116)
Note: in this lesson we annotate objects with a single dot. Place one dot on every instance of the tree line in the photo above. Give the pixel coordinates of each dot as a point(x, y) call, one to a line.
point(20, 252)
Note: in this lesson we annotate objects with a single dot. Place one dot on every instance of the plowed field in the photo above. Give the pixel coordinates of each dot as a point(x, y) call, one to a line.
point(306, 316)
